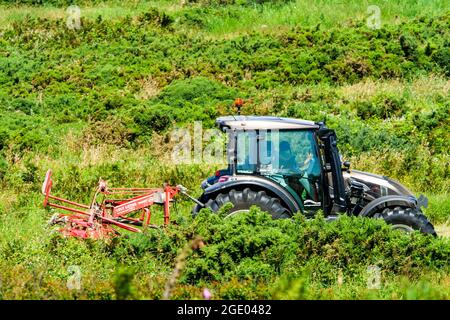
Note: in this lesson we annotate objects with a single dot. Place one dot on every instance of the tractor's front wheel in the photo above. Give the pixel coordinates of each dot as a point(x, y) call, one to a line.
point(407, 219)
point(242, 200)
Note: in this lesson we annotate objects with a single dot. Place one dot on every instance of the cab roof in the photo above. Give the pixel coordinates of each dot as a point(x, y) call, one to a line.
point(263, 122)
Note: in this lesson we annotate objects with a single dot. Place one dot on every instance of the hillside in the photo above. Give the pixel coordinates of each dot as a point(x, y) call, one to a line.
point(101, 101)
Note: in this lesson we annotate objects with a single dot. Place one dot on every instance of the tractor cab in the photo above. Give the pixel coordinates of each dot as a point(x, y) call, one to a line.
point(285, 152)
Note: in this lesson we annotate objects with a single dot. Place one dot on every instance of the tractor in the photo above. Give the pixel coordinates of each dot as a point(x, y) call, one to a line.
point(286, 166)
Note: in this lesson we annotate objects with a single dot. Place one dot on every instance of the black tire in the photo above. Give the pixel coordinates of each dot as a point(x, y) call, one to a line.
point(242, 200)
point(401, 218)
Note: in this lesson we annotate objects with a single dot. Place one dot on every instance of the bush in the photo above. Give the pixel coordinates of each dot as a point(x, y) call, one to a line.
point(156, 17)
point(59, 3)
point(382, 106)
point(122, 283)
point(197, 91)
point(442, 57)
point(3, 167)
point(111, 131)
point(253, 246)
point(154, 118)
point(237, 2)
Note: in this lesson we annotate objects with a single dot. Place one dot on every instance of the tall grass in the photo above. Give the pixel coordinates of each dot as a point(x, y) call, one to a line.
point(228, 19)
point(107, 10)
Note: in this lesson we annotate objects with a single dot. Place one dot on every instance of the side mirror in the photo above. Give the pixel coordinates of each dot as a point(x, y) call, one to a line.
point(346, 165)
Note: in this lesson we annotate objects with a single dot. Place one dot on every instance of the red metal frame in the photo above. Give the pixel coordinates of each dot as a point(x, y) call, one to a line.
point(98, 218)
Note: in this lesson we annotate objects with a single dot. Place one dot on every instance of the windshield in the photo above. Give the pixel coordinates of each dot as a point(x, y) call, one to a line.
point(283, 152)
point(289, 157)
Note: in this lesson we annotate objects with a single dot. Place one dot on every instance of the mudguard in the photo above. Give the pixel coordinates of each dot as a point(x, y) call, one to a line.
point(258, 183)
point(381, 203)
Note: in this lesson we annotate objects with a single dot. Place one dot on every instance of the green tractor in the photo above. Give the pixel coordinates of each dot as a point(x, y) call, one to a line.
point(285, 166)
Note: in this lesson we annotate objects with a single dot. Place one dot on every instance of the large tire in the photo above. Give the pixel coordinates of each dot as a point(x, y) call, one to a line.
point(407, 219)
point(242, 200)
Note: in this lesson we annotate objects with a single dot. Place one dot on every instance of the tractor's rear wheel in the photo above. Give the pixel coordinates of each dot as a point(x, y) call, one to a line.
point(407, 219)
point(242, 200)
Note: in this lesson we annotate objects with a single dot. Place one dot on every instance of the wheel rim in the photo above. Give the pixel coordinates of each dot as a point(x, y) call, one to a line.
point(234, 213)
point(403, 227)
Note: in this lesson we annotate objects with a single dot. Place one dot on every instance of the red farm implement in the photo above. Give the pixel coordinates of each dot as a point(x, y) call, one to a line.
point(124, 208)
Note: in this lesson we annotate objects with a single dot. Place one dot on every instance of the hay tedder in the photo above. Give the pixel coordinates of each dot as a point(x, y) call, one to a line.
point(125, 208)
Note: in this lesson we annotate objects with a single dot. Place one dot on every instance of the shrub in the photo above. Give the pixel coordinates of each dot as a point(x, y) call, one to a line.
point(156, 17)
point(111, 131)
point(198, 91)
point(442, 57)
point(3, 167)
point(122, 283)
point(382, 106)
point(153, 118)
point(252, 245)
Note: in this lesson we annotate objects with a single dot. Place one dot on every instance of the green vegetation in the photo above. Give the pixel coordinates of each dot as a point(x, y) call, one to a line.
point(246, 257)
point(101, 102)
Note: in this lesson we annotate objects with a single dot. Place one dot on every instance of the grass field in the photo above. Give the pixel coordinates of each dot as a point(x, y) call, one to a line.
point(101, 101)
point(225, 20)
